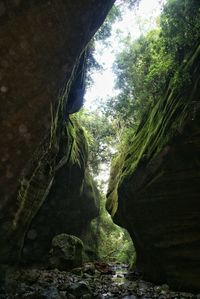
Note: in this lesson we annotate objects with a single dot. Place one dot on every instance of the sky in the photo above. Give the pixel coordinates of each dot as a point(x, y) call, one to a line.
point(134, 22)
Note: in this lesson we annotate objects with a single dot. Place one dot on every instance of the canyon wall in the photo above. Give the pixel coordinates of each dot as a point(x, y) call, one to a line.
point(40, 46)
point(154, 189)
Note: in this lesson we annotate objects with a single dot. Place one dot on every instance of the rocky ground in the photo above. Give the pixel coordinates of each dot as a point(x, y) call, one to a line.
point(97, 280)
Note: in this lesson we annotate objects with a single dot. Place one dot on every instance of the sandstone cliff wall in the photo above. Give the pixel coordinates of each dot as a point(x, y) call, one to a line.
point(40, 45)
point(154, 189)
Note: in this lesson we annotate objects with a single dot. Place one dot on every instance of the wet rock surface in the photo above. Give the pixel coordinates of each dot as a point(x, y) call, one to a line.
point(90, 283)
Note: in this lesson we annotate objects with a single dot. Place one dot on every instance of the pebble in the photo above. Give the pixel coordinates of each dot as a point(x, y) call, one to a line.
point(4, 89)
point(130, 297)
point(165, 287)
point(51, 293)
point(55, 284)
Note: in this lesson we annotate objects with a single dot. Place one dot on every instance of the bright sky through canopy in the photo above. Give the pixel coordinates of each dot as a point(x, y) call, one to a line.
point(134, 23)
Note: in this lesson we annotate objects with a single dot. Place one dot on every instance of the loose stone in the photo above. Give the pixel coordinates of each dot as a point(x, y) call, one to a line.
point(4, 89)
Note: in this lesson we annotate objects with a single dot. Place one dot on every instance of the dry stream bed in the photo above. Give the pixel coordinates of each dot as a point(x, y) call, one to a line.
point(97, 280)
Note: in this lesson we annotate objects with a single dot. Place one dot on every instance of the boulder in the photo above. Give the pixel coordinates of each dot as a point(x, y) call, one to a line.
point(66, 252)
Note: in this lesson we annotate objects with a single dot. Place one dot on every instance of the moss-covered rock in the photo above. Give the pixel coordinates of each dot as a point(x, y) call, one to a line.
point(72, 201)
point(107, 242)
point(37, 67)
point(66, 252)
point(154, 188)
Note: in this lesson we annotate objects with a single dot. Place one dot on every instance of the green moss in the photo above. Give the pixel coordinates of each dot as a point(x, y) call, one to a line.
point(115, 175)
point(78, 140)
point(166, 120)
point(91, 191)
point(35, 188)
point(106, 241)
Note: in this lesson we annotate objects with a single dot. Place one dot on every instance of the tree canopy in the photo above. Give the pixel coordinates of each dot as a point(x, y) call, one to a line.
point(146, 65)
point(143, 69)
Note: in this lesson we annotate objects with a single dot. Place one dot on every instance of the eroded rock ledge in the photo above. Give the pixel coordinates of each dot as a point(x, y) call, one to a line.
point(40, 45)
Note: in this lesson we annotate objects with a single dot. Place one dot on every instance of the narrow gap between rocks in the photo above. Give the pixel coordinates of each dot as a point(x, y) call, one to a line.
point(123, 72)
point(107, 119)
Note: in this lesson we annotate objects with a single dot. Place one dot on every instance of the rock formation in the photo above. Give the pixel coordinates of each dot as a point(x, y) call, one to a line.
point(72, 201)
point(154, 189)
point(46, 189)
point(40, 45)
point(66, 252)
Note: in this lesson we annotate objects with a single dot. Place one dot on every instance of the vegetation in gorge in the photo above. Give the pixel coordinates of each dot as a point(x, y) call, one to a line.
point(145, 69)
point(103, 239)
point(103, 34)
point(106, 241)
point(157, 77)
point(100, 135)
point(145, 66)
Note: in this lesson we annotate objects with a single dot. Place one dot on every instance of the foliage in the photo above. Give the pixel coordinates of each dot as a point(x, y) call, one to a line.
point(108, 241)
point(103, 35)
point(105, 30)
point(100, 136)
point(180, 24)
point(103, 239)
point(145, 66)
point(115, 242)
point(115, 14)
point(170, 84)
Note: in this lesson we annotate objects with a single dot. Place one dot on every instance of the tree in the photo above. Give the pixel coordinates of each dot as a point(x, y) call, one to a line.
point(180, 27)
point(146, 65)
point(144, 69)
point(103, 35)
point(100, 135)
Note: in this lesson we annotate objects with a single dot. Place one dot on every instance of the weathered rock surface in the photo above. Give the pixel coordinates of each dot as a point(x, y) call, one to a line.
point(66, 252)
point(72, 201)
point(40, 45)
point(155, 188)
